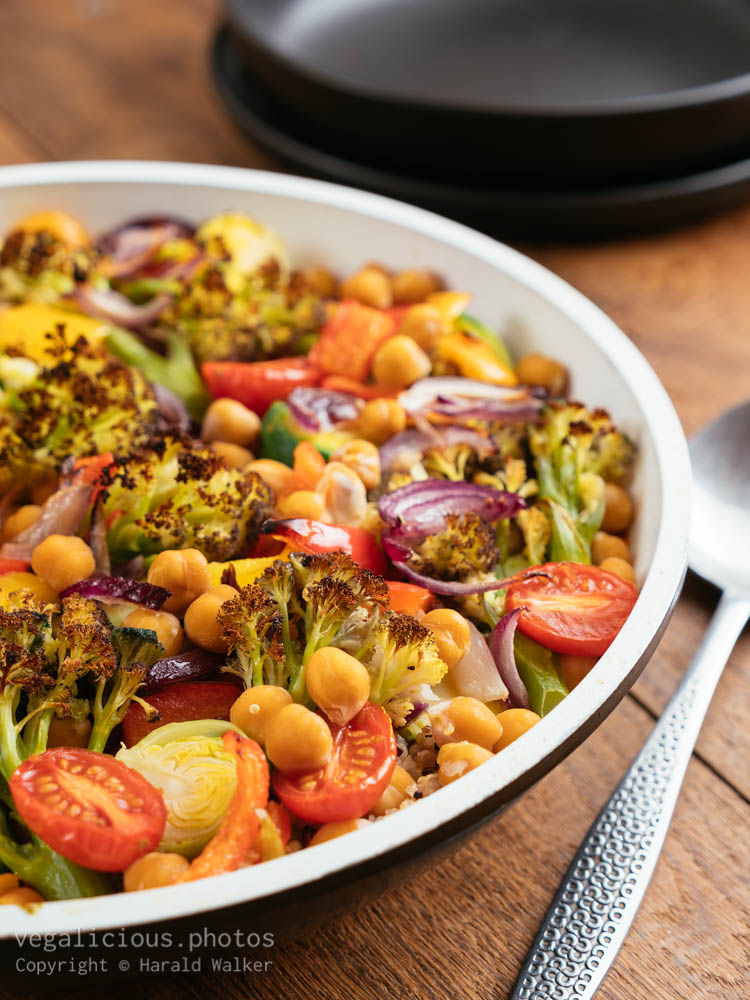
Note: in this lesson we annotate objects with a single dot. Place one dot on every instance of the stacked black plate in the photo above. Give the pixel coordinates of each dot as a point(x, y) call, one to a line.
point(537, 118)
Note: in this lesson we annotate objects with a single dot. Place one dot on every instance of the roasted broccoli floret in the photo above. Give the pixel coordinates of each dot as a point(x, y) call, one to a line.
point(135, 650)
point(575, 450)
point(275, 625)
point(174, 494)
point(464, 548)
point(84, 403)
point(403, 657)
point(44, 657)
point(39, 266)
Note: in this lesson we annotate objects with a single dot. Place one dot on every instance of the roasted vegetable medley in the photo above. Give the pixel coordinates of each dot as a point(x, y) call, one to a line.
point(281, 553)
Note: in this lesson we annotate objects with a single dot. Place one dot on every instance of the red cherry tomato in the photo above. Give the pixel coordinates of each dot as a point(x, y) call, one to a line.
point(257, 384)
point(89, 807)
point(573, 608)
point(352, 781)
point(183, 701)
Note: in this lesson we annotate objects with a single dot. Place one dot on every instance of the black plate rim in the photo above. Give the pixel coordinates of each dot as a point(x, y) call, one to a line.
point(298, 151)
point(649, 104)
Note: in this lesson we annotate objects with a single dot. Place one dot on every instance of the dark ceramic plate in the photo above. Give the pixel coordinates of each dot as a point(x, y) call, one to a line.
point(515, 93)
point(545, 213)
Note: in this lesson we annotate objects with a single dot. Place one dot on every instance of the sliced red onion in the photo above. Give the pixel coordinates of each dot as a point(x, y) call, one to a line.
point(405, 449)
point(417, 708)
point(456, 398)
point(171, 407)
point(453, 588)
point(422, 507)
point(119, 590)
point(475, 675)
point(322, 409)
point(190, 666)
point(116, 308)
point(98, 539)
point(132, 246)
point(501, 647)
point(62, 514)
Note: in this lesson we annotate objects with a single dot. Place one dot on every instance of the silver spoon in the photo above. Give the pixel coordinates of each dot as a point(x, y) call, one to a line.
point(602, 890)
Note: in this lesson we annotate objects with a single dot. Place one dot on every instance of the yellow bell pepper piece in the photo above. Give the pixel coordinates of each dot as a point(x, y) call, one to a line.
point(474, 359)
point(246, 570)
point(25, 327)
point(450, 305)
point(18, 580)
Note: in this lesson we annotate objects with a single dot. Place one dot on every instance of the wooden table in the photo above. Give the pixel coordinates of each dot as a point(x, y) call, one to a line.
point(101, 78)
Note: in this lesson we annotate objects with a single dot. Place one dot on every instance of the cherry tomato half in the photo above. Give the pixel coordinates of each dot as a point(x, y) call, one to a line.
point(573, 608)
point(361, 765)
point(182, 701)
point(89, 807)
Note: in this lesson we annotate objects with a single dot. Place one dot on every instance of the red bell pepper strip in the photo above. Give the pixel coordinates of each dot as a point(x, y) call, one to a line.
point(13, 566)
point(89, 471)
point(408, 598)
point(349, 340)
point(307, 535)
point(182, 701)
point(230, 845)
point(257, 384)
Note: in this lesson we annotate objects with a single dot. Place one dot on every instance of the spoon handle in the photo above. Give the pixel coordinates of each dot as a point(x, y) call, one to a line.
point(600, 894)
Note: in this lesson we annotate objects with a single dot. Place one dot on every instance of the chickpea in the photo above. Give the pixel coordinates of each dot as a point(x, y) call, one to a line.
point(344, 494)
point(515, 722)
point(452, 635)
point(337, 829)
point(44, 490)
point(320, 281)
point(233, 456)
point(414, 284)
point(184, 572)
point(463, 720)
point(537, 369)
point(370, 286)
point(167, 627)
point(256, 706)
point(298, 740)
point(618, 510)
point(399, 362)
point(232, 421)
point(61, 560)
point(21, 897)
point(153, 870)
point(399, 789)
point(64, 227)
point(275, 474)
point(302, 503)
point(603, 546)
point(68, 732)
point(620, 567)
point(363, 458)
point(380, 419)
point(338, 683)
point(424, 325)
point(457, 759)
point(201, 626)
point(574, 668)
point(20, 520)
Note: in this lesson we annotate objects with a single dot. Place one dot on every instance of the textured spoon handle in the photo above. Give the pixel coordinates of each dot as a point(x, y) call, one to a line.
point(600, 894)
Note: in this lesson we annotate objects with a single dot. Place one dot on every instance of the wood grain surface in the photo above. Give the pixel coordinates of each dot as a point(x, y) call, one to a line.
point(83, 79)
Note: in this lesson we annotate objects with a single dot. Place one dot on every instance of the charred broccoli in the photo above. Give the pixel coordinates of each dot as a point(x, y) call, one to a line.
point(39, 266)
point(575, 450)
point(84, 403)
point(464, 548)
point(175, 493)
point(275, 625)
